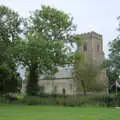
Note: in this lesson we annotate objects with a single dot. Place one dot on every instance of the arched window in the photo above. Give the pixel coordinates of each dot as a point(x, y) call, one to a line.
point(85, 46)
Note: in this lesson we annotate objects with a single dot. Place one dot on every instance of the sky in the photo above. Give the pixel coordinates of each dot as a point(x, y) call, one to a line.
point(89, 15)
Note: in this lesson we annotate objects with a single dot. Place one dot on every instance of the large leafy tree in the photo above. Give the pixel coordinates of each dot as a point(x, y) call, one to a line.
point(39, 56)
point(10, 29)
point(50, 29)
point(47, 32)
point(44, 48)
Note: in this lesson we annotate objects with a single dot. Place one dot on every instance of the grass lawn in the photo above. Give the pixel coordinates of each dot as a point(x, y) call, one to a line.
point(17, 112)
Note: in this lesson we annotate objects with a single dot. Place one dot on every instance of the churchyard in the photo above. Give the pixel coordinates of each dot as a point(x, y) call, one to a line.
point(49, 70)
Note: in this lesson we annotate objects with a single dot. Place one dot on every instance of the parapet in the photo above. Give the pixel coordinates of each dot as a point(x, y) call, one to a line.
point(92, 34)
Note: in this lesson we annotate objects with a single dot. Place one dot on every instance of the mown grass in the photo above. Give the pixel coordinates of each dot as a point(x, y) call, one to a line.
point(24, 112)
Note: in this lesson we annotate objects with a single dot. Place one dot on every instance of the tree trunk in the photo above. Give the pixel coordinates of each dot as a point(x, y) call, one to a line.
point(83, 85)
point(32, 85)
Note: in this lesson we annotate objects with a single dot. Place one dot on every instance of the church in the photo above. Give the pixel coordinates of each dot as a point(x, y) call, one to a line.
point(63, 82)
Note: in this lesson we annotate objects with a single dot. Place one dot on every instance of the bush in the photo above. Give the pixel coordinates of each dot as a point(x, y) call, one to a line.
point(10, 81)
point(111, 100)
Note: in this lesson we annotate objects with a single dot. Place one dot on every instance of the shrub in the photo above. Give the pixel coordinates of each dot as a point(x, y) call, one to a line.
point(81, 101)
point(68, 101)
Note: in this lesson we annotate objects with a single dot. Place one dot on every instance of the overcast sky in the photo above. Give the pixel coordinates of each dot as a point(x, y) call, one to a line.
point(98, 15)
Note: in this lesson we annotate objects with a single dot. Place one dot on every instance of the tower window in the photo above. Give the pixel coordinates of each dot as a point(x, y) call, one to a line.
point(98, 48)
point(85, 46)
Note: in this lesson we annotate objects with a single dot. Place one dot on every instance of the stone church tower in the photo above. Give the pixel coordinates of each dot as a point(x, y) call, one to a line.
point(63, 82)
point(92, 48)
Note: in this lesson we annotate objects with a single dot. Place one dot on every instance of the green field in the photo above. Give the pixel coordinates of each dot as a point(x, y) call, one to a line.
point(17, 112)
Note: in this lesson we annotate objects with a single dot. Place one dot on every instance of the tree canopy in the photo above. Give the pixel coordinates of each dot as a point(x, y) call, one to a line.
point(52, 23)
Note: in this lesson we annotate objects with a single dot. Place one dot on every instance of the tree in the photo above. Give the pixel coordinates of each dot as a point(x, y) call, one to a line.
point(85, 73)
point(10, 29)
point(44, 49)
point(114, 55)
point(112, 64)
point(39, 56)
point(111, 73)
